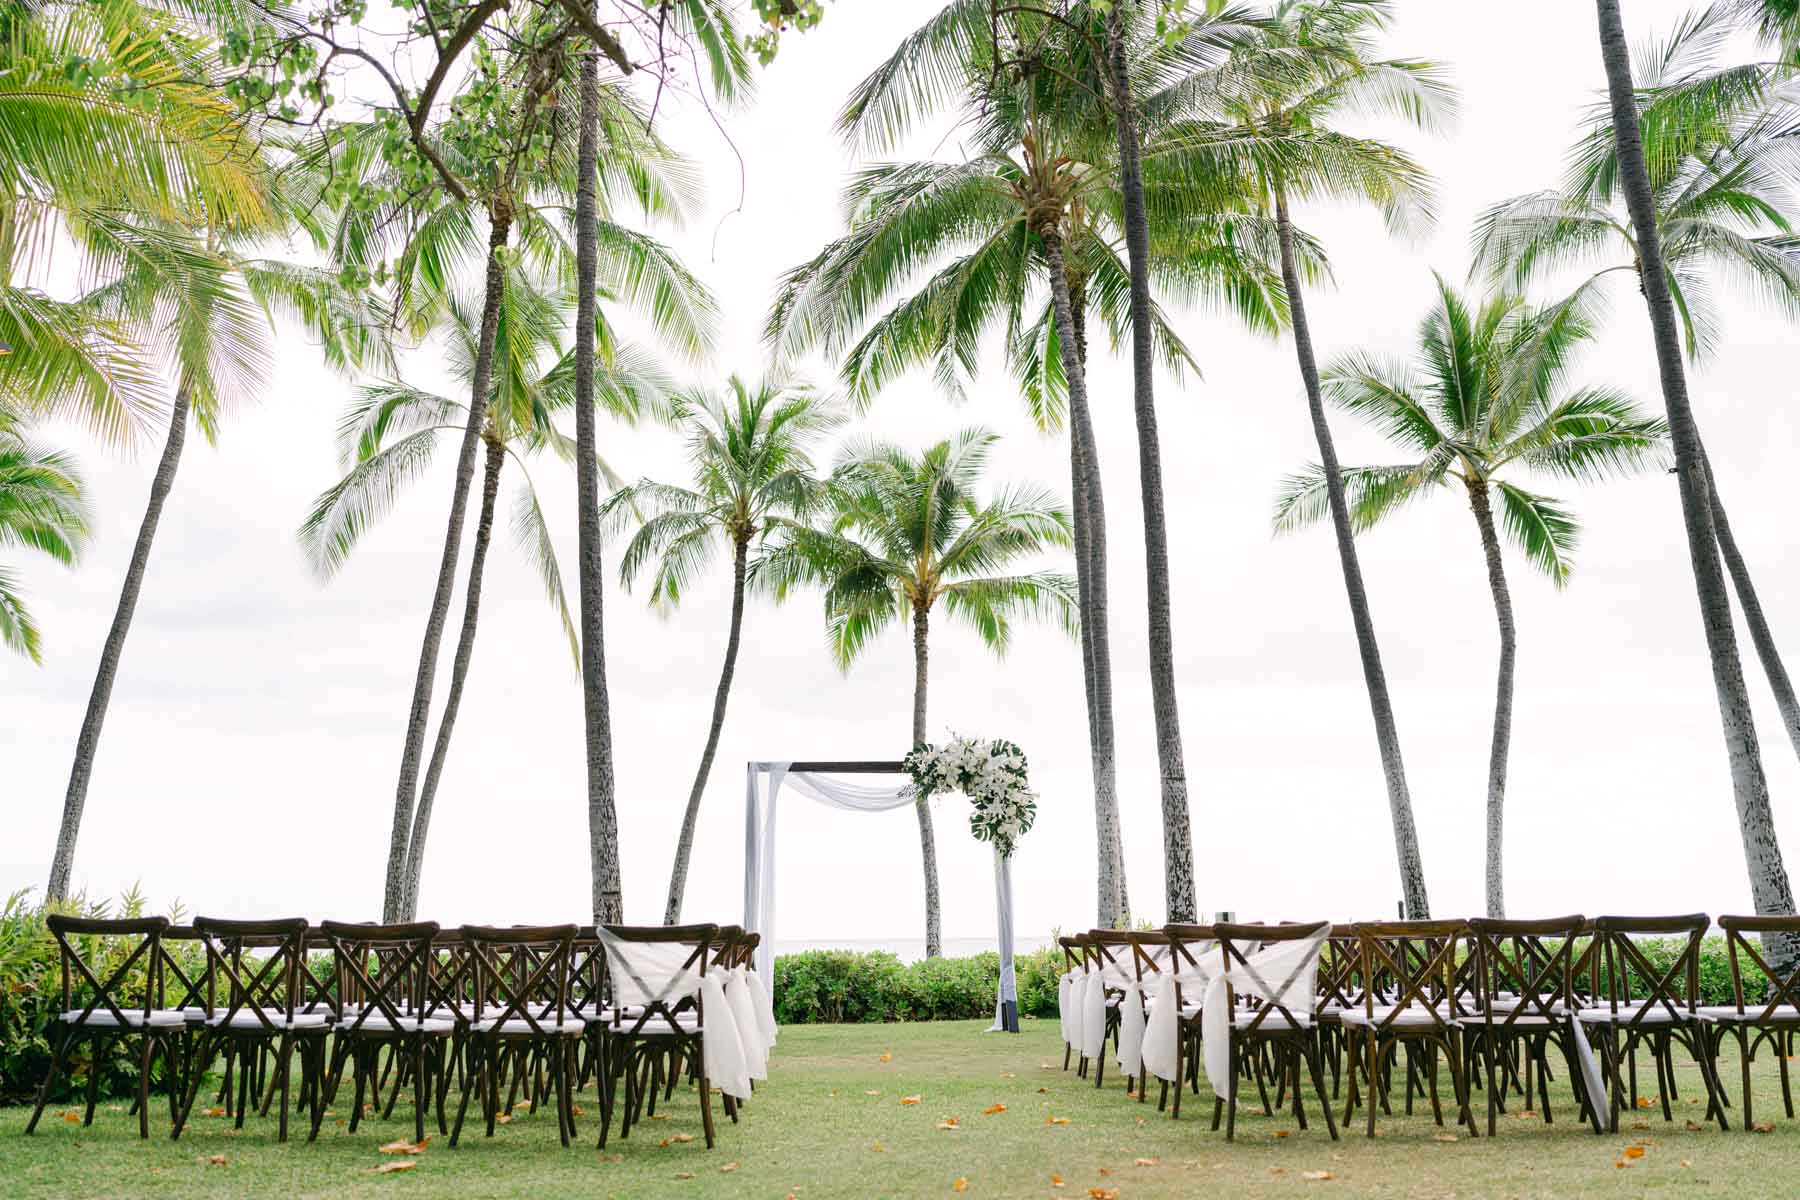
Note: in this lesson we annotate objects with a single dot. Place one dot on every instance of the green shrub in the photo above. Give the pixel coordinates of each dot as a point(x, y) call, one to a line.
point(31, 997)
point(841, 985)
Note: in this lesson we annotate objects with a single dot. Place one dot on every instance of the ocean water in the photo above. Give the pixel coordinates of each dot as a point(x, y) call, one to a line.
point(913, 949)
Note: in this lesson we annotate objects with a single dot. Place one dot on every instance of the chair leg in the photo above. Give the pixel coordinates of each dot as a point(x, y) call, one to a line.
point(1374, 1069)
point(96, 1052)
point(1315, 1054)
point(1487, 1060)
point(283, 1064)
point(143, 1093)
point(706, 1115)
point(1231, 1097)
point(58, 1055)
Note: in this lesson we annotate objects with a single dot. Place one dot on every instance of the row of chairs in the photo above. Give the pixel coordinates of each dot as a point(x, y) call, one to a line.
point(1487, 1000)
point(505, 1014)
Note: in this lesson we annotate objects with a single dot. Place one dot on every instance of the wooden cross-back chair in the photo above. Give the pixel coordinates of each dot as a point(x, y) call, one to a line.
point(520, 1017)
point(1420, 961)
point(1072, 960)
point(113, 1011)
point(1341, 986)
point(1150, 953)
point(1527, 983)
point(1191, 955)
point(1775, 1018)
point(1287, 1034)
point(383, 1003)
point(1110, 952)
point(1651, 1007)
point(656, 1020)
point(265, 1015)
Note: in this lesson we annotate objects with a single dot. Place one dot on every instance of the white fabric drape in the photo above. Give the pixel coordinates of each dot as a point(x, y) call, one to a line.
point(1590, 1069)
point(1162, 1023)
point(647, 973)
point(833, 792)
point(744, 1017)
point(1280, 973)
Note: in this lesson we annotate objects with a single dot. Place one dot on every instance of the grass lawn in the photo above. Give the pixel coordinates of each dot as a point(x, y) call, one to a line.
point(831, 1122)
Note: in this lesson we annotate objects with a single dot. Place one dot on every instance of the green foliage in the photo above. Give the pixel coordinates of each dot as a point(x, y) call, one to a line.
point(845, 986)
point(31, 996)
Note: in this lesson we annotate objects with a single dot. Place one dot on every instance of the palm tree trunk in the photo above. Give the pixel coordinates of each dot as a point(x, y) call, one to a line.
point(1503, 696)
point(1090, 581)
point(1760, 636)
point(1387, 733)
point(927, 842)
point(1178, 847)
point(603, 819)
point(87, 743)
point(1769, 888)
point(459, 673)
point(394, 897)
point(684, 845)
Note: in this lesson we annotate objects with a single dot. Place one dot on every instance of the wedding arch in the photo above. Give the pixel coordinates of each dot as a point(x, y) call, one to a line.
point(817, 780)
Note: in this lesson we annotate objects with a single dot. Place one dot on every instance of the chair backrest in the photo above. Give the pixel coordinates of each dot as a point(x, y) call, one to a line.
point(1340, 979)
point(1638, 987)
point(1150, 953)
point(139, 938)
point(267, 986)
point(521, 974)
point(1193, 957)
point(379, 970)
point(1534, 960)
point(1282, 984)
point(1111, 951)
point(1778, 990)
point(1419, 961)
point(183, 988)
point(655, 970)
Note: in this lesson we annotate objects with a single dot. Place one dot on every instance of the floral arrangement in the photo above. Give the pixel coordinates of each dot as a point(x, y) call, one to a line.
point(991, 774)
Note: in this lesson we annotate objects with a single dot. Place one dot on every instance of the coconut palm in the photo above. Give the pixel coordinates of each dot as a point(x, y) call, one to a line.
point(1717, 152)
point(906, 531)
point(1769, 887)
point(1283, 90)
point(748, 449)
point(390, 433)
point(1022, 233)
point(1485, 398)
point(43, 507)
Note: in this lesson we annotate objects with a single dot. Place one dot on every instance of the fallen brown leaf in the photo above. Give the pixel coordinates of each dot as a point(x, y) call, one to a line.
point(682, 1137)
point(215, 1160)
point(991, 1109)
point(1687, 1162)
point(1043, 1091)
point(1317, 1176)
point(73, 1118)
point(1056, 1120)
point(684, 1174)
point(949, 1123)
point(1100, 1193)
point(612, 1158)
point(1146, 1162)
point(879, 1148)
point(1056, 1181)
point(401, 1164)
point(1763, 1127)
point(909, 1100)
point(1007, 1075)
point(873, 1092)
point(1444, 1137)
point(887, 1056)
point(961, 1184)
point(1634, 1152)
point(215, 1112)
point(404, 1147)
point(503, 1119)
point(1694, 1127)
point(1281, 1133)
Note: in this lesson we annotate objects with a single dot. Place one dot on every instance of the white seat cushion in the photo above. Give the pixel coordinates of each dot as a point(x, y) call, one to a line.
point(1406, 1018)
point(1752, 1013)
point(1275, 1021)
point(377, 1022)
point(100, 1018)
point(571, 1026)
point(1602, 1014)
point(658, 1026)
point(244, 1019)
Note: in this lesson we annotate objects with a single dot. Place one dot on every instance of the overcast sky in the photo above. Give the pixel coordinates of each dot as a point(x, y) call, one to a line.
point(249, 759)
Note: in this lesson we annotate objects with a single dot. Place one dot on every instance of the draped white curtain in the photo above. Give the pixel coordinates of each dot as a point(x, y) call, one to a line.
point(760, 808)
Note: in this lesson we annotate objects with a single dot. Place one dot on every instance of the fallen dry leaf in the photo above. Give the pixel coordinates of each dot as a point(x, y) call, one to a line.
point(879, 1148)
point(1281, 1133)
point(1634, 1152)
point(1043, 1091)
point(1763, 1127)
point(1694, 1127)
point(1643, 1102)
point(1444, 1137)
point(405, 1147)
point(1147, 1162)
point(1056, 1181)
point(1278, 1170)
point(887, 1056)
point(991, 1109)
point(948, 1123)
point(215, 1112)
point(909, 1100)
point(1619, 1162)
point(1100, 1193)
point(1007, 1075)
point(659, 1116)
point(684, 1174)
point(577, 1110)
point(1687, 1162)
point(873, 1092)
point(1317, 1176)
point(215, 1160)
point(1056, 1120)
point(73, 1118)
point(612, 1158)
point(399, 1164)
point(961, 1184)
point(503, 1119)
point(682, 1137)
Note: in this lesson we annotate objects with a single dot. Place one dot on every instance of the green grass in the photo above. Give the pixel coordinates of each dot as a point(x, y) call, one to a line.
point(814, 1129)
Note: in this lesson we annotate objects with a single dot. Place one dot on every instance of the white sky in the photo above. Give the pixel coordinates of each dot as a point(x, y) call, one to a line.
point(249, 759)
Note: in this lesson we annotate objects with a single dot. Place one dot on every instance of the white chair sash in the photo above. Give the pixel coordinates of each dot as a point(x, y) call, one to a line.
point(1131, 1028)
point(727, 1066)
point(1590, 1069)
point(1162, 1022)
point(1093, 1015)
point(1280, 973)
point(1065, 985)
point(649, 973)
point(743, 1013)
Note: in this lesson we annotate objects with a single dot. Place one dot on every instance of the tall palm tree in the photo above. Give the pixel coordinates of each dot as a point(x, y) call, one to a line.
point(389, 436)
point(1283, 90)
point(748, 449)
point(43, 507)
point(1023, 234)
point(906, 531)
point(1769, 887)
point(1715, 147)
point(1486, 396)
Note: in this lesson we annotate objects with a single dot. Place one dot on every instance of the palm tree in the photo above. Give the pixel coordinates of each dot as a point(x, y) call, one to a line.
point(1769, 887)
point(1714, 142)
point(748, 450)
point(1485, 396)
point(389, 436)
point(1309, 64)
point(1023, 233)
point(907, 531)
point(43, 507)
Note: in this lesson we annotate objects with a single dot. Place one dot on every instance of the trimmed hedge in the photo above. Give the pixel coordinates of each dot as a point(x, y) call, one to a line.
point(848, 986)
